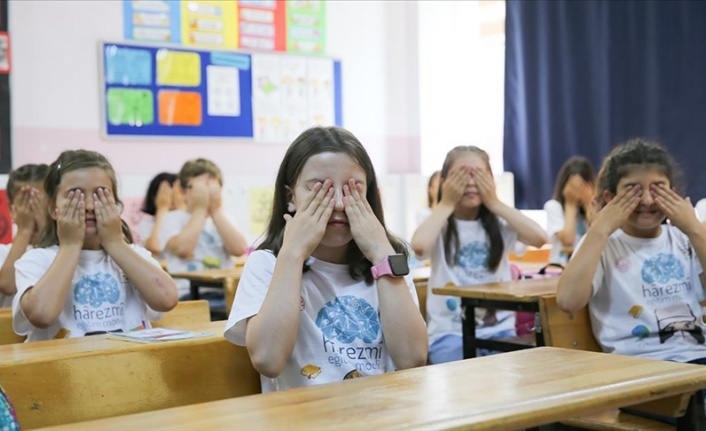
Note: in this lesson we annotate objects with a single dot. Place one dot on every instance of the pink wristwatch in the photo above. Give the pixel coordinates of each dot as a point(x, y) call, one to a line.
point(394, 265)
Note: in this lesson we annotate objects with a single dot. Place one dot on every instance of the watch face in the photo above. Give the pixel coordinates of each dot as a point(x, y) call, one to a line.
point(398, 264)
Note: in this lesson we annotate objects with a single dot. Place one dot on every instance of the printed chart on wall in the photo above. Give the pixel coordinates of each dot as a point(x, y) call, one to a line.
point(295, 26)
point(176, 91)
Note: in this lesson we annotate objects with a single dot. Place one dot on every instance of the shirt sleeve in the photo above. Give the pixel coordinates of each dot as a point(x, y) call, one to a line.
point(600, 270)
point(28, 270)
point(250, 295)
point(555, 217)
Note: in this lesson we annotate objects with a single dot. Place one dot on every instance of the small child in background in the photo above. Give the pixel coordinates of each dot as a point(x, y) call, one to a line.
point(569, 211)
point(27, 201)
point(84, 276)
point(432, 197)
point(201, 236)
point(163, 195)
point(468, 238)
point(641, 278)
point(328, 279)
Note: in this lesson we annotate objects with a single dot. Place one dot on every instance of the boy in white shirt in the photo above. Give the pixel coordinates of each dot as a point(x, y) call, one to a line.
point(27, 202)
point(201, 236)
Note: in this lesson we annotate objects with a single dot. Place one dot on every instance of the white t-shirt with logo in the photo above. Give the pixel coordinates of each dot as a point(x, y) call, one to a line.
point(555, 223)
point(444, 312)
point(101, 298)
point(340, 333)
point(645, 299)
point(209, 253)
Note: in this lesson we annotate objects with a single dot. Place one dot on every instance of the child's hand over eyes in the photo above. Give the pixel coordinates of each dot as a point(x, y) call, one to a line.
point(677, 209)
point(454, 185)
point(366, 229)
point(107, 214)
point(214, 195)
point(305, 230)
point(486, 187)
point(71, 219)
point(616, 212)
point(25, 207)
point(165, 196)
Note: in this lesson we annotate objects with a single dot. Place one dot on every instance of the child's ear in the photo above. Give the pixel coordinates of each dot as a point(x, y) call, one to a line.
point(53, 213)
point(290, 200)
point(607, 196)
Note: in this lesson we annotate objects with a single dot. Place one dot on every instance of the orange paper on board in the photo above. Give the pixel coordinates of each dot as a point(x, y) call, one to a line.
point(179, 108)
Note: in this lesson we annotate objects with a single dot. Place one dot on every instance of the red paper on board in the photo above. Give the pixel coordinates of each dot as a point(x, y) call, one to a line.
point(5, 219)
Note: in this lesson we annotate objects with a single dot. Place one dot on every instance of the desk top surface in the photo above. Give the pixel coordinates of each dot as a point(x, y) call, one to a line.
point(503, 392)
point(69, 347)
point(212, 275)
point(517, 291)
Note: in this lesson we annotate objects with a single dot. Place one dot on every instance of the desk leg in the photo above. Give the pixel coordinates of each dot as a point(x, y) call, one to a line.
point(694, 418)
point(194, 285)
point(468, 314)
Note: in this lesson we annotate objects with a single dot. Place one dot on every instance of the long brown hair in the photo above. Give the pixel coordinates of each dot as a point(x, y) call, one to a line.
point(68, 161)
point(311, 142)
point(489, 221)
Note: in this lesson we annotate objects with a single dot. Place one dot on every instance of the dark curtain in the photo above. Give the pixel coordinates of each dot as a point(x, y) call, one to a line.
point(582, 76)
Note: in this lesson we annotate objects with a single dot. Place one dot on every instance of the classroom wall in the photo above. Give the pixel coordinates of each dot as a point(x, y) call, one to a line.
point(55, 97)
point(55, 89)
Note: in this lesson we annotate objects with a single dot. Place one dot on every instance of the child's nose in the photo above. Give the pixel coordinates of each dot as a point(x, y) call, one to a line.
point(646, 199)
point(338, 199)
point(88, 200)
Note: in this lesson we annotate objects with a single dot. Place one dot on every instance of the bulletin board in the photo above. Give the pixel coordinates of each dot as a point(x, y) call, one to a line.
point(176, 91)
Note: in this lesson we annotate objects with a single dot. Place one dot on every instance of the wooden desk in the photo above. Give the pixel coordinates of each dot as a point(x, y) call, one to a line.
point(520, 295)
point(207, 278)
point(511, 391)
point(79, 379)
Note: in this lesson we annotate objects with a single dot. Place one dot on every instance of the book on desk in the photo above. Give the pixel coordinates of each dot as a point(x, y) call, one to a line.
point(158, 335)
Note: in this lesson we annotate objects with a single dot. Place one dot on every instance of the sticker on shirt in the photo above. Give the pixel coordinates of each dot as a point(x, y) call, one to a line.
point(473, 261)
point(97, 303)
point(678, 319)
point(345, 320)
point(310, 371)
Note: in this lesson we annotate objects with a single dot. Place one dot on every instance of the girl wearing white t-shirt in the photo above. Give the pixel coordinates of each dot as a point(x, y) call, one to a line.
point(325, 297)
point(85, 276)
point(641, 278)
point(569, 210)
point(468, 238)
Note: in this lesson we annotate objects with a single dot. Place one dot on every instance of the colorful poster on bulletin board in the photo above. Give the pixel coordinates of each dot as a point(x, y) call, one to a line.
point(259, 25)
point(156, 91)
point(211, 24)
point(306, 26)
point(174, 91)
point(152, 20)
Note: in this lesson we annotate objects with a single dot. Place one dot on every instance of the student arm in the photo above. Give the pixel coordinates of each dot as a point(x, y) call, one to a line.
point(152, 242)
point(402, 324)
point(156, 287)
point(271, 334)
point(528, 231)
point(576, 282)
point(233, 241)
point(7, 272)
point(567, 234)
point(43, 302)
point(184, 243)
point(427, 232)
